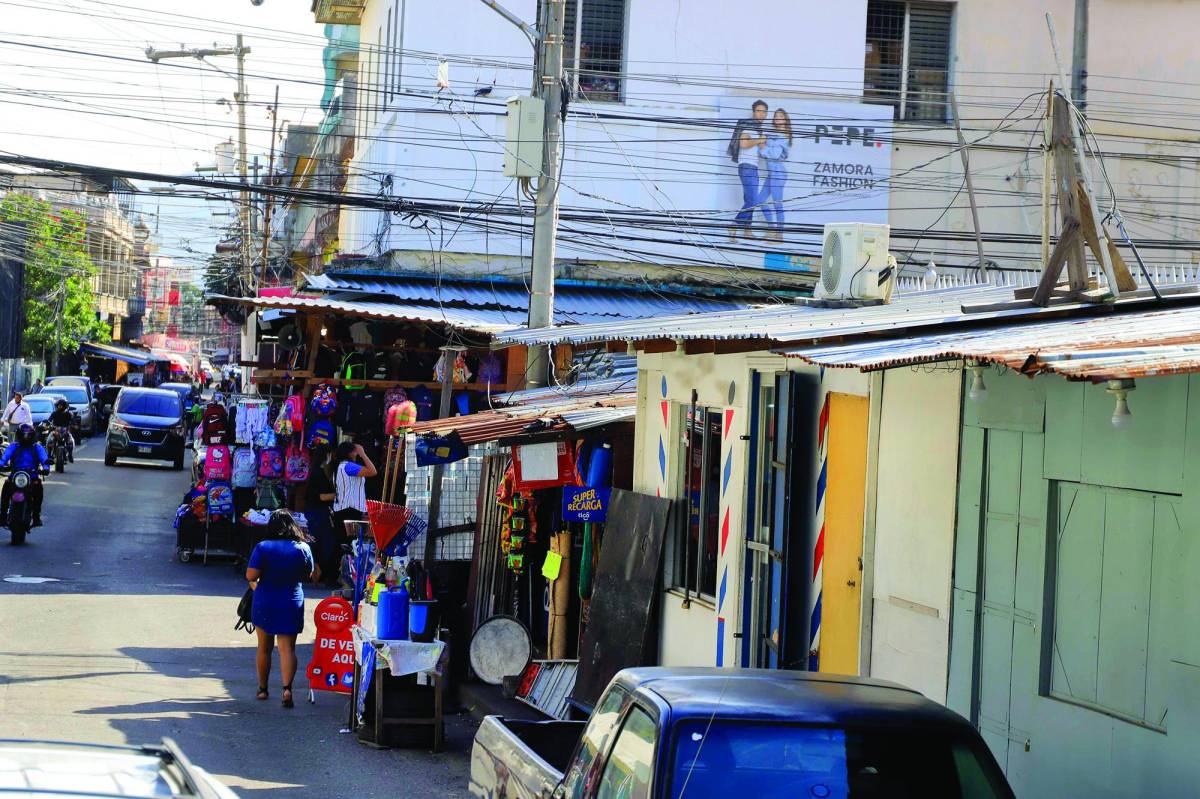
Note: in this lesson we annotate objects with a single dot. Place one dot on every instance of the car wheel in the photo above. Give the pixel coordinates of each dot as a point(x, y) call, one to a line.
point(110, 459)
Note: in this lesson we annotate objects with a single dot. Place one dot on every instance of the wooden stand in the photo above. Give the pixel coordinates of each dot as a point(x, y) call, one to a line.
point(383, 682)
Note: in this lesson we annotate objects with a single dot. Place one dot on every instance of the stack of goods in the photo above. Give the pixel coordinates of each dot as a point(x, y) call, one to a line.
point(519, 524)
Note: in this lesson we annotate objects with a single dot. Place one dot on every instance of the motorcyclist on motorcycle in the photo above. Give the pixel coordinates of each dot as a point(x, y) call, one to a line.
point(63, 419)
point(27, 454)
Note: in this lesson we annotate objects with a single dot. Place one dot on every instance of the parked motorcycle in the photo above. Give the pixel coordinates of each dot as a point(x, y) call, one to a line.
point(20, 508)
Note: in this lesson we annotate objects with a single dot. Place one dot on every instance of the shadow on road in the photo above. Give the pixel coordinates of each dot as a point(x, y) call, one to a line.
point(266, 750)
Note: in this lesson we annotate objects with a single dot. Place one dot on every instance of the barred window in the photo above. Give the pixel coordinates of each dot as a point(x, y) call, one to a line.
point(908, 58)
point(594, 48)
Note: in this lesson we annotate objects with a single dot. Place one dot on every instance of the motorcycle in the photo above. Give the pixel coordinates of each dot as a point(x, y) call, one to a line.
point(20, 508)
point(58, 447)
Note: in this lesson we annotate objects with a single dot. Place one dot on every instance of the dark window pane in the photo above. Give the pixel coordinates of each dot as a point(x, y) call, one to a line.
point(728, 759)
point(150, 405)
point(928, 62)
point(712, 504)
point(885, 52)
point(601, 47)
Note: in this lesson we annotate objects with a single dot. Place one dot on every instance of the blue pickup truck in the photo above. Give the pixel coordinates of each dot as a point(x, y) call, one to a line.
point(736, 734)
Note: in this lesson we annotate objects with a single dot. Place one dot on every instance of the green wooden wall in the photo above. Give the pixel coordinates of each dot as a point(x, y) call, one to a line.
point(1075, 640)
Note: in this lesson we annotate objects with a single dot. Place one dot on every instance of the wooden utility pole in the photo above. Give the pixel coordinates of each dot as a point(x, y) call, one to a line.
point(1047, 166)
point(962, 151)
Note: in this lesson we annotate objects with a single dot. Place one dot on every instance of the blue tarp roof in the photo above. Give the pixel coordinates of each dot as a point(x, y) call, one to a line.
point(126, 354)
point(572, 303)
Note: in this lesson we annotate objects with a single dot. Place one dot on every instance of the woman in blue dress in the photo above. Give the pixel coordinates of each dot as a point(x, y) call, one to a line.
point(277, 568)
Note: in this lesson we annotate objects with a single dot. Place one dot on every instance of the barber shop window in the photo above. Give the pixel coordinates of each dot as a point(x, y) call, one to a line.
point(694, 544)
point(594, 48)
point(908, 58)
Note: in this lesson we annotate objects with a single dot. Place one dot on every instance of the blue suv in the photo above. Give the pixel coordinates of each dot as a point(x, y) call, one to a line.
point(146, 423)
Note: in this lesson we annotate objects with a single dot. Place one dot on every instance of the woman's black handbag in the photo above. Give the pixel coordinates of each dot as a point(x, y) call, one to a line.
point(244, 610)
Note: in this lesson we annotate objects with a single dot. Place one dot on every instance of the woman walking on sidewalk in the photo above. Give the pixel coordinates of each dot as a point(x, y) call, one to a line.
point(277, 568)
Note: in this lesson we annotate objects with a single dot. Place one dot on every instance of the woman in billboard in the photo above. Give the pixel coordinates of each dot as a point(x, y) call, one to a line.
point(774, 154)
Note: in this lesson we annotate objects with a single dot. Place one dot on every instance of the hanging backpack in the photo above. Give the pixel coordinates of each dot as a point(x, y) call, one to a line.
point(393, 396)
point(268, 496)
point(423, 398)
point(218, 464)
point(400, 416)
point(214, 424)
point(297, 464)
point(220, 498)
point(245, 467)
point(292, 409)
point(323, 401)
point(490, 369)
point(270, 464)
point(320, 433)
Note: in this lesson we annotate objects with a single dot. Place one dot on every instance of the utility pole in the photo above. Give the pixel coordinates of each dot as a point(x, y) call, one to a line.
point(547, 40)
point(266, 243)
point(240, 51)
point(548, 84)
point(1079, 57)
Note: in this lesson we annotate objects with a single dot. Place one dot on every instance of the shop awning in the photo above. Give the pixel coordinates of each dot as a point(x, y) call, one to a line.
point(178, 361)
point(126, 354)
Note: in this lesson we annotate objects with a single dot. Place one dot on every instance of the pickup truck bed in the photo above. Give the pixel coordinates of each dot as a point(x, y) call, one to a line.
point(521, 759)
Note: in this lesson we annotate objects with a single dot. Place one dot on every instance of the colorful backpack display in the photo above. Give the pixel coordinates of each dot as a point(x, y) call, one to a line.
point(270, 464)
point(323, 401)
point(218, 464)
point(297, 464)
point(220, 498)
point(214, 424)
point(245, 467)
point(320, 433)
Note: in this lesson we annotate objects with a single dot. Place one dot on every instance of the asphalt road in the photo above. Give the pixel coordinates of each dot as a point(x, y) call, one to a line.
point(127, 645)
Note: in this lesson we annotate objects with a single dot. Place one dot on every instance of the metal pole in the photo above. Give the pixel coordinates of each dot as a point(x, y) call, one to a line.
point(1079, 57)
point(262, 269)
point(962, 151)
point(545, 218)
point(1047, 159)
point(240, 51)
point(435, 485)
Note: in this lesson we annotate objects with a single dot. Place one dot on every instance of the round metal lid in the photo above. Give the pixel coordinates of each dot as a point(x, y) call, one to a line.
point(500, 648)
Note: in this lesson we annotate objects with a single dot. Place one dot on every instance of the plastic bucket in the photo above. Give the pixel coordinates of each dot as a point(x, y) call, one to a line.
point(391, 620)
point(421, 619)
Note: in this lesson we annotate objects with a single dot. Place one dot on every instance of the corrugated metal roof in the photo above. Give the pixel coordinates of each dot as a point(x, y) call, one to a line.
point(795, 323)
point(573, 304)
point(546, 415)
point(473, 319)
point(1124, 345)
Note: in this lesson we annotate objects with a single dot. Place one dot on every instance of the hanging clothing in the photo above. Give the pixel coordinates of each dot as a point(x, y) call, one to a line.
point(253, 417)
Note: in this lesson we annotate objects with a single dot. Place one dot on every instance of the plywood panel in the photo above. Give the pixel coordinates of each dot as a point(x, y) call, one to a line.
point(1148, 455)
point(845, 505)
point(1064, 432)
point(1012, 402)
point(1125, 603)
point(1077, 595)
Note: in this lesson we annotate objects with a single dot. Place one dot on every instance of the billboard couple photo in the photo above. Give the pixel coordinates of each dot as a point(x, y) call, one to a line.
point(760, 148)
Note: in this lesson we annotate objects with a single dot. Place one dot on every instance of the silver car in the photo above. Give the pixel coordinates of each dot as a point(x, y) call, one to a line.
point(80, 400)
point(54, 769)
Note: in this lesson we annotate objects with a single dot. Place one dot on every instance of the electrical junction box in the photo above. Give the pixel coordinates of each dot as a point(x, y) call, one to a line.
point(523, 137)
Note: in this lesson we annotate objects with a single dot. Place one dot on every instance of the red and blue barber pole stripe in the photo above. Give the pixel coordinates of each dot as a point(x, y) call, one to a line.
point(723, 586)
point(814, 605)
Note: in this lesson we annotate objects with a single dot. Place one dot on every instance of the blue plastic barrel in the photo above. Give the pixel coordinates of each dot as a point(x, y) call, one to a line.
point(391, 617)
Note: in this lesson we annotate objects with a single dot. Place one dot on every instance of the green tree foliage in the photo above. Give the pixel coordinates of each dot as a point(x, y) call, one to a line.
point(60, 306)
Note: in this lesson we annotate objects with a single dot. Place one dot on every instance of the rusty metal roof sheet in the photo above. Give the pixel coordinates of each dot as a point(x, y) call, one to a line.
point(567, 413)
point(1124, 345)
